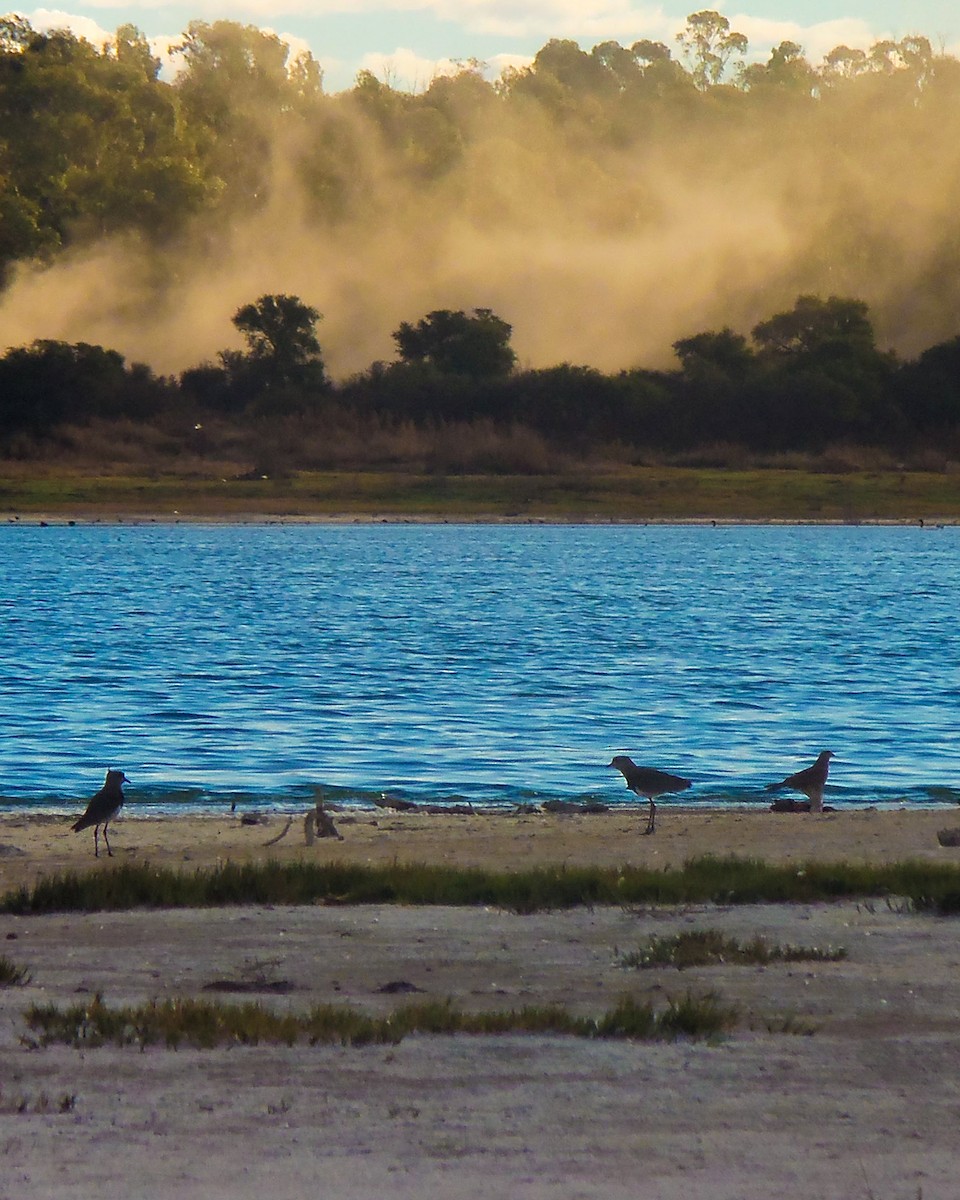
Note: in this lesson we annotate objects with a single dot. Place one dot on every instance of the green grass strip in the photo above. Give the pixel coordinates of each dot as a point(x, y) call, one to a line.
point(929, 886)
point(205, 1024)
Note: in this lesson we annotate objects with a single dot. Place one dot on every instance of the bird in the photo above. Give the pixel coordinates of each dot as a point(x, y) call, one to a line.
point(810, 781)
point(102, 809)
point(648, 783)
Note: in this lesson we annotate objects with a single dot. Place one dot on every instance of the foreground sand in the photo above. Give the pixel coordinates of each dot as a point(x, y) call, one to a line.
point(865, 1107)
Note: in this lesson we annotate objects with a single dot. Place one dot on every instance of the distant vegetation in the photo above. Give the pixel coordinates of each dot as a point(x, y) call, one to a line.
point(929, 887)
point(94, 145)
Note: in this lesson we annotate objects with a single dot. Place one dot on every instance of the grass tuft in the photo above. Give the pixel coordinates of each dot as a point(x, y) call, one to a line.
point(11, 975)
point(707, 947)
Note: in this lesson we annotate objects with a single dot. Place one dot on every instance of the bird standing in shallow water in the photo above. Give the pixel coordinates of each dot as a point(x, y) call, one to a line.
point(648, 783)
point(810, 781)
point(102, 809)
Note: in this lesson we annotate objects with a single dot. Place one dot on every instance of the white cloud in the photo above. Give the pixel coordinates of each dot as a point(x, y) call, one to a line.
point(408, 71)
point(816, 40)
point(532, 18)
point(43, 20)
point(556, 18)
point(498, 63)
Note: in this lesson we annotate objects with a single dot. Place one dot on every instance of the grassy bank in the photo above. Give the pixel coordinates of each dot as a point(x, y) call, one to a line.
point(627, 494)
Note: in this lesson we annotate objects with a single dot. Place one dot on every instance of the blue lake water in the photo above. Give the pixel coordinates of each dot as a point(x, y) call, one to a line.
point(493, 664)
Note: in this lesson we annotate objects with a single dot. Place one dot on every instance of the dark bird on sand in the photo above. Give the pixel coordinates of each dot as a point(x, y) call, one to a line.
point(648, 783)
point(810, 781)
point(102, 809)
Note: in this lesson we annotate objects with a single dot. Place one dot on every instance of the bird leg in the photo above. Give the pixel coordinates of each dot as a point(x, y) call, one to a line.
point(109, 851)
point(652, 820)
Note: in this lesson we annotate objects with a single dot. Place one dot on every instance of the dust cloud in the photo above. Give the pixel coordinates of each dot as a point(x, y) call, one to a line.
point(596, 252)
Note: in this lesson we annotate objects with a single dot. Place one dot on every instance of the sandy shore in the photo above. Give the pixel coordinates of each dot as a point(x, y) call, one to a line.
point(34, 846)
point(866, 1106)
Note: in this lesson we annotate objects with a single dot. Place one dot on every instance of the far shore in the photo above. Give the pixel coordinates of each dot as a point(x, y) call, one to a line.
point(594, 494)
point(264, 518)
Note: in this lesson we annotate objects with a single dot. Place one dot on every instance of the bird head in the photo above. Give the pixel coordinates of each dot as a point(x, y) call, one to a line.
point(620, 761)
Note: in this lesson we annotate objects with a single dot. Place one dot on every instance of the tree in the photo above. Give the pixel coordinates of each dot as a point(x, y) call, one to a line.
point(787, 70)
point(572, 67)
point(455, 343)
point(15, 33)
point(815, 325)
point(90, 141)
point(724, 352)
point(132, 49)
point(717, 368)
point(708, 43)
point(620, 63)
point(240, 93)
point(824, 376)
point(48, 383)
point(844, 63)
point(282, 345)
point(929, 390)
point(22, 231)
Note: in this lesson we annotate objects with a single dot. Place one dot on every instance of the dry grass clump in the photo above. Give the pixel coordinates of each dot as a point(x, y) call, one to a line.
point(11, 975)
point(42, 1104)
point(709, 947)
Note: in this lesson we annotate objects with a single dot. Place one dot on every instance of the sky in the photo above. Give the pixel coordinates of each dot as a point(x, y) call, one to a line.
point(408, 42)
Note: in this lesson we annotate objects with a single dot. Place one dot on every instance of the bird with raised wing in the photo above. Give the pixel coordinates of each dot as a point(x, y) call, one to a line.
point(648, 783)
point(811, 781)
point(102, 809)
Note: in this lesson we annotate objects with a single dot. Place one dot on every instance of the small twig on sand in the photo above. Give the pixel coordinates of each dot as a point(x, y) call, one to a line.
point(283, 833)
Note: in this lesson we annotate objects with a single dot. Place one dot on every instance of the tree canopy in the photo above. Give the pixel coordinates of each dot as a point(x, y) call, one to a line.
point(283, 350)
point(476, 345)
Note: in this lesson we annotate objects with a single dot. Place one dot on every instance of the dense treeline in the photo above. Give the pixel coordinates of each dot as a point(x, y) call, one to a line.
point(805, 379)
point(93, 141)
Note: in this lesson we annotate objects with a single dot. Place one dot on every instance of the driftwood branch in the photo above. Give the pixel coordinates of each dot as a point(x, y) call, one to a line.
point(283, 833)
point(319, 824)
